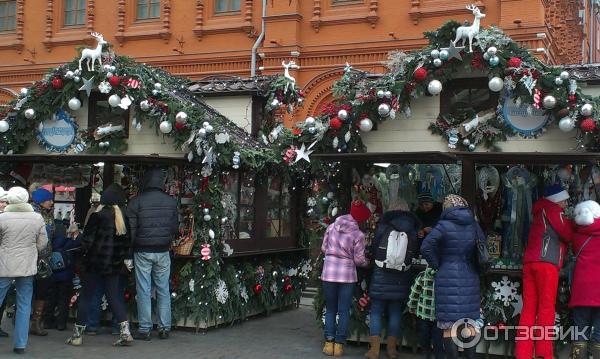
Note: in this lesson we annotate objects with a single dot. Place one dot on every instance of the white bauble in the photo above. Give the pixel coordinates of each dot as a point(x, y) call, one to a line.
point(205, 124)
point(434, 87)
point(76, 79)
point(566, 124)
point(387, 94)
point(209, 129)
point(74, 104)
point(24, 91)
point(366, 125)
point(30, 113)
point(558, 81)
point(380, 93)
point(444, 54)
point(496, 84)
point(106, 68)
point(384, 110)
point(155, 92)
point(114, 100)
point(4, 126)
point(549, 102)
point(157, 86)
point(144, 105)
point(310, 121)
point(435, 54)
point(166, 127)
point(343, 115)
point(564, 75)
point(181, 117)
point(207, 217)
point(202, 133)
point(437, 62)
point(275, 103)
point(112, 68)
point(586, 110)
point(466, 142)
point(492, 50)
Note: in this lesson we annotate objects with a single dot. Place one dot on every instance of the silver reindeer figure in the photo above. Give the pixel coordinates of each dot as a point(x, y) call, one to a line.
point(291, 80)
point(93, 55)
point(469, 32)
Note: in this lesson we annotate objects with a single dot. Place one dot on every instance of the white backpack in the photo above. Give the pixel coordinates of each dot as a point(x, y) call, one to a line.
point(395, 253)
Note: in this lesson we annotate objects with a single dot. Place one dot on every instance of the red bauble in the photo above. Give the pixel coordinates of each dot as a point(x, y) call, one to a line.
point(179, 125)
point(288, 288)
point(572, 98)
point(57, 83)
point(420, 74)
point(514, 62)
point(335, 123)
point(114, 81)
point(588, 125)
point(286, 278)
point(257, 288)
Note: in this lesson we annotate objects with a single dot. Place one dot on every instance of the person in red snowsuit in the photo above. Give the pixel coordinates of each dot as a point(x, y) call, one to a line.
point(546, 247)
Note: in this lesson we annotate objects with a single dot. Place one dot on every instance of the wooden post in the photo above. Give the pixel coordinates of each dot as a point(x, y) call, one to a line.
point(469, 187)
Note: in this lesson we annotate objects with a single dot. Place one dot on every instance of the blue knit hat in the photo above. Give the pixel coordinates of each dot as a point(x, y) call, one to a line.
point(41, 195)
point(556, 193)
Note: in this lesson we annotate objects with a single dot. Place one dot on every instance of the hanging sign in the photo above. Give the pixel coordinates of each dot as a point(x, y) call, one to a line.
point(58, 133)
point(523, 118)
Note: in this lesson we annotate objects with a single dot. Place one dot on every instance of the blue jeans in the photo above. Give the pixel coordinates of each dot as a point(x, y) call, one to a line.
point(95, 311)
point(153, 269)
point(338, 298)
point(587, 317)
point(24, 287)
point(394, 316)
point(430, 333)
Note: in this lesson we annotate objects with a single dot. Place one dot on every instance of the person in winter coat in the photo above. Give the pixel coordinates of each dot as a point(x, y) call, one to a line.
point(389, 288)
point(43, 203)
point(154, 224)
point(428, 212)
point(450, 249)
point(542, 261)
point(585, 289)
point(344, 249)
point(105, 248)
point(22, 237)
point(3, 204)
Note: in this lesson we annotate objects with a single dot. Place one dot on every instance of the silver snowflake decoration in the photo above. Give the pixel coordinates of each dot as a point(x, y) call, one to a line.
point(274, 288)
point(206, 171)
point(244, 294)
point(311, 202)
point(509, 83)
point(192, 284)
point(529, 83)
point(221, 292)
point(506, 291)
point(104, 87)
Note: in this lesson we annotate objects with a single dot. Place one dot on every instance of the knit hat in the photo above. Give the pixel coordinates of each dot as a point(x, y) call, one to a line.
point(586, 212)
point(454, 200)
point(17, 195)
point(359, 211)
point(425, 197)
point(556, 193)
point(3, 195)
point(41, 195)
point(113, 195)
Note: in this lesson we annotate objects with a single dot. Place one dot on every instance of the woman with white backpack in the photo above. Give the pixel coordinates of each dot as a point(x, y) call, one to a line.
point(394, 246)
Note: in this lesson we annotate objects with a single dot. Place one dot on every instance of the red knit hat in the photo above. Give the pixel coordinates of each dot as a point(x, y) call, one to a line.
point(359, 211)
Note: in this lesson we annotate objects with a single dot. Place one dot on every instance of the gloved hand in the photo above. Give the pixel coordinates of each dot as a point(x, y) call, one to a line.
point(129, 264)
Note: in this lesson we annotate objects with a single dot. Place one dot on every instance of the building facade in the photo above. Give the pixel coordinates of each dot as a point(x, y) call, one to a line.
point(208, 38)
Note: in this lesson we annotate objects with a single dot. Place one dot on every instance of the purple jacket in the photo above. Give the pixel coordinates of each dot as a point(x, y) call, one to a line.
point(344, 249)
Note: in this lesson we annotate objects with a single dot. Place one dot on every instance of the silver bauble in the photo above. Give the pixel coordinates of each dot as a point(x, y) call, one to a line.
point(74, 104)
point(114, 100)
point(496, 84)
point(4, 126)
point(181, 117)
point(145, 105)
point(343, 115)
point(558, 81)
point(586, 110)
point(384, 110)
point(380, 94)
point(566, 124)
point(166, 127)
point(310, 121)
point(29, 113)
point(387, 94)
point(435, 54)
point(158, 86)
point(564, 75)
point(492, 50)
point(76, 79)
point(549, 102)
point(366, 125)
point(434, 87)
point(437, 62)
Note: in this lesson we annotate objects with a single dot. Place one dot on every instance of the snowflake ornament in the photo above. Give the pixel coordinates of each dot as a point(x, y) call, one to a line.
point(104, 87)
point(191, 285)
point(274, 288)
point(244, 294)
point(221, 292)
point(506, 291)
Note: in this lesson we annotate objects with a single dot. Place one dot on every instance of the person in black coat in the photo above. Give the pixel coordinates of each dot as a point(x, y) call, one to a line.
point(450, 249)
point(105, 247)
point(389, 288)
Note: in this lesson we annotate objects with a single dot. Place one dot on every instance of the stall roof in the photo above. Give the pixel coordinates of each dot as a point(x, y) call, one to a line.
point(85, 158)
point(389, 157)
point(219, 85)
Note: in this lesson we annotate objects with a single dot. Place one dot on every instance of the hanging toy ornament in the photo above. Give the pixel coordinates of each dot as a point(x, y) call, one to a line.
point(74, 104)
point(514, 62)
point(586, 110)
point(420, 74)
point(434, 87)
point(114, 100)
point(435, 54)
point(335, 123)
point(236, 161)
point(4, 126)
point(366, 125)
point(181, 117)
point(566, 124)
point(564, 75)
point(205, 252)
point(494, 61)
point(29, 113)
point(343, 115)
point(57, 83)
point(549, 102)
point(496, 84)
point(588, 125)
point(452, 140)
point(114, 81)
point(165, 127)
point(444, 54)
point(384, 110)
point(145, 105)
point(437, 62)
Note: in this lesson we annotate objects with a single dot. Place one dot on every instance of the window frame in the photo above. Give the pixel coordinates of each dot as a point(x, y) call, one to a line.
point(77, 13)
point(7, 4)
point(229, 6)
point(473, 83)
point(347, 2)
point(148, 5)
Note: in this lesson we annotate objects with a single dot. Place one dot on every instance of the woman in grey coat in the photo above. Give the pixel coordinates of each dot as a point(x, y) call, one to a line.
point(22, 237)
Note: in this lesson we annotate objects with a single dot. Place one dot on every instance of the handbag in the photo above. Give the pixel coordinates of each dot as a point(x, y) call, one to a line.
point(571, 268)
point(483, 256)
point(44, 269)
point(57, 262)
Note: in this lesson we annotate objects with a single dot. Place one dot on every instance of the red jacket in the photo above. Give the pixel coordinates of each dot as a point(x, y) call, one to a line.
point(585, 290)
point(539, 251)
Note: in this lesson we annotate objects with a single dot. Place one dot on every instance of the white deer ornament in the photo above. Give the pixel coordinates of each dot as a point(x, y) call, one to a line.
point(465, 33)
point(286, 74)
point(93, 55)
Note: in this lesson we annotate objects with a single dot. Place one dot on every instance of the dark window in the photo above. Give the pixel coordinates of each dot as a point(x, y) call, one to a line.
point(148, 9)
point(227, 6)
point(7, 16)
point(278, 209)
point(74, 12)
point(101, 113)
point(461, 95)
point(238, 201)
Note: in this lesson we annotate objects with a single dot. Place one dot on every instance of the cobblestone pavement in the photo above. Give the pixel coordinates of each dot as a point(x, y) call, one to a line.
point(290, 334)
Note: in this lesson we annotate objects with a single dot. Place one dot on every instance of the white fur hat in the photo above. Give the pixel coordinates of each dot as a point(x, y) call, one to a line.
point(17, 195)
point(586, 212)
point(3, 195)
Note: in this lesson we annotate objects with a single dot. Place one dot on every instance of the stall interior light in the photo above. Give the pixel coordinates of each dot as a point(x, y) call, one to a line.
point(384, 165)
point(99, 164)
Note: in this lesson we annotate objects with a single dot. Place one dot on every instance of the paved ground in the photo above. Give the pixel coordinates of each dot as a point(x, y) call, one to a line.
point(286, 335)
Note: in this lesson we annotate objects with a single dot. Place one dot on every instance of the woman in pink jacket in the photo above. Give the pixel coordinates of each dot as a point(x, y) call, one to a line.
point(344, 250)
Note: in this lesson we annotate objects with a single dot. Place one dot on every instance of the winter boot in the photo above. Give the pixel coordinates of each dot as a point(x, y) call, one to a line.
point(375, 342)
point(338, 349)
point(392, 350)
point(579, 350)
point(595, 350)
point(328, 348)
point(450, 348)
point(76, 339)
point(36, 325)
point(125, 337)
